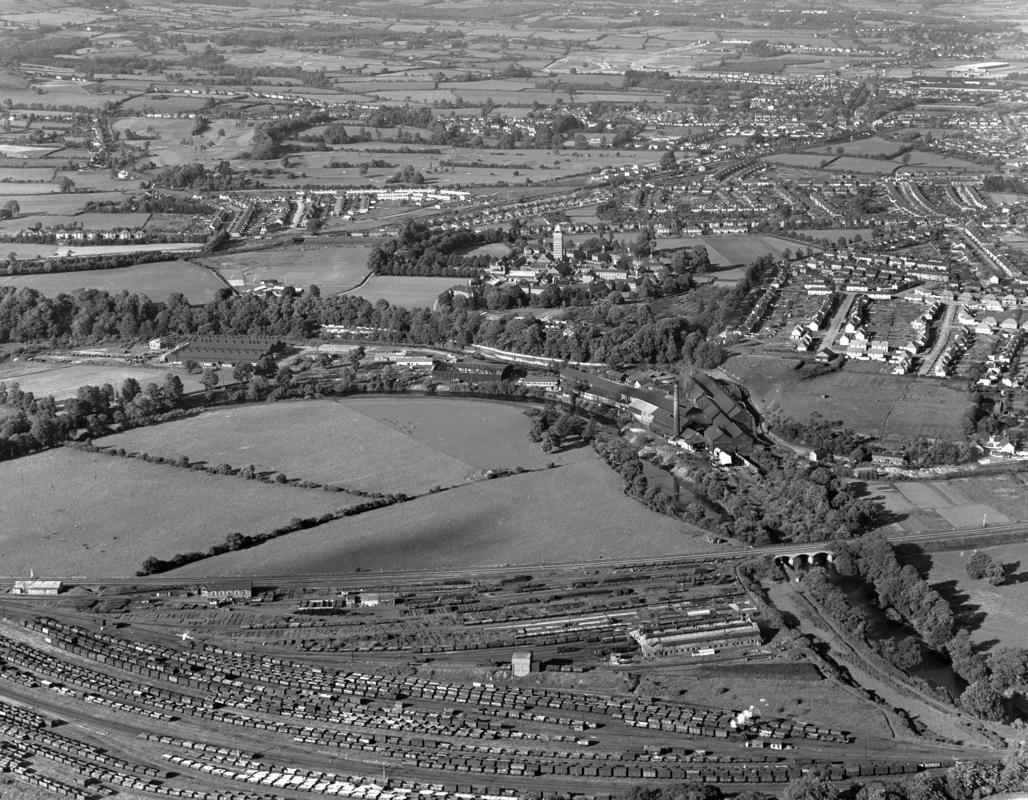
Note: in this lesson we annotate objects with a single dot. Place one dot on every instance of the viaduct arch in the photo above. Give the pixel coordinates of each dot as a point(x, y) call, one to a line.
point(805, 558)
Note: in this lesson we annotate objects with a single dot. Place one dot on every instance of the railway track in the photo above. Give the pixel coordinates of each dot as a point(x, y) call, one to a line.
point(433, 577)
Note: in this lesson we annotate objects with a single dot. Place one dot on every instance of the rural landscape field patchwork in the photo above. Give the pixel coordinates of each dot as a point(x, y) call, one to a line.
point(463, 400)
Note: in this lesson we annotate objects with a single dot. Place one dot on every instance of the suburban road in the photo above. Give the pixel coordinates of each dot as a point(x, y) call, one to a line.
point(928, 364)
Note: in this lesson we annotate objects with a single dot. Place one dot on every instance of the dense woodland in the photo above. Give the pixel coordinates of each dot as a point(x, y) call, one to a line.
point(785, 500)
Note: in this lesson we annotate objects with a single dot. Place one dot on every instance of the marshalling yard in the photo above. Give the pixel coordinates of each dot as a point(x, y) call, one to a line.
point(497, 684)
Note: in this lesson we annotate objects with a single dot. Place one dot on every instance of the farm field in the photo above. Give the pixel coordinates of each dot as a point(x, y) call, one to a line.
point(332, 268)
point(728, 250)
point(409, 292)
point(59, 518)
point(478, 432)
point(872, 146)
point(807, 160)
point(328, 441)
point(93, 221)
point(572, 512)
point(950, 504)
point(1002, 609)
point(379, 445)
point(928, 160)
point(56, 203)
point(64, 380)
point(865, 165)
point(744, 249)
point(156, 280)
point(894, 408)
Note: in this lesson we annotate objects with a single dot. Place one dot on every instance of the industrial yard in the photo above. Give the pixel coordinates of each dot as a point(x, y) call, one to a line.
point(490, 685)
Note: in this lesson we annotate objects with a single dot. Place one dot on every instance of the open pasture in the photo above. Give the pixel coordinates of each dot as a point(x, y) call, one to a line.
point(25, 174)
point(408, 292)
point(327, 441)
point(62, 380)
point(893, 407)
point(68, 513)
point(333, 268)
point(573, 512)
point(54, 202)
point(88, 222)
point(870, 166)
point(156, 280)
point(928, 160)
point(65, 94)
point(744, 249)
point(487, 435)
point(1000, 610)
point(801, 160)
point(871, 146)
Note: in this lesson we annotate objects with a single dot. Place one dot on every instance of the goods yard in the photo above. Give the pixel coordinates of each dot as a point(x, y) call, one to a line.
point(361, 688)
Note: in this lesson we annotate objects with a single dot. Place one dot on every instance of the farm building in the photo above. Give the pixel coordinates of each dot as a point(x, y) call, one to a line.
point(34, 587)
point(227, 350)
point(229, 587)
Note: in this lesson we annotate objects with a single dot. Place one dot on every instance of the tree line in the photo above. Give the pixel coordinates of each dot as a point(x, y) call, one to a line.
point(609, 331)
point(421, 250)
point(32, 423)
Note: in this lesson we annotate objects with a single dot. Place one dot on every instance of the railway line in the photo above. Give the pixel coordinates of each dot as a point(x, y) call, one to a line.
point(432, 577)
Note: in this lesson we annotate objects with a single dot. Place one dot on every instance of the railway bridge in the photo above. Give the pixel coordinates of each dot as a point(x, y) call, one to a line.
point(806, 557)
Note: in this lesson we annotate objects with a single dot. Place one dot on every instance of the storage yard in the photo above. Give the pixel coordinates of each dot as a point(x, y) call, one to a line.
point(409, 687)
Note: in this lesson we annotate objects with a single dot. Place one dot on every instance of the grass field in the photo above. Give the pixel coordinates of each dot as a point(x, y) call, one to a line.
point(895, 408)
point(71, 513)
point(569, 513)
point(481, 433)
point(772, 690)
point(63, 381)
point(334, 442)
point(865, 165)
point(744, 249)
point(332, 268)
point(56, 203)
point(998, 611)
point(872, 146)
point(409, 292)
point(156, 280)
point(386, 445)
